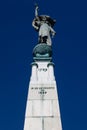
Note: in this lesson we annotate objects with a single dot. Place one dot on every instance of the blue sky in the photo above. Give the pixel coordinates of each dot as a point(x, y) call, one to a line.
point(17, 39)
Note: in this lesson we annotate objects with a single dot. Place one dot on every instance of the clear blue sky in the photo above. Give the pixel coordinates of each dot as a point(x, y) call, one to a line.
point(17, 39)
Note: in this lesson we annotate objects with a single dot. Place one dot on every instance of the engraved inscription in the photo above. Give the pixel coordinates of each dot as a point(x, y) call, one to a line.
point(43, 69)
point(42, 88)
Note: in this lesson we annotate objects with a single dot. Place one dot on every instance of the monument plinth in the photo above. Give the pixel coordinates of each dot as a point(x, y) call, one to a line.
point(42, 109)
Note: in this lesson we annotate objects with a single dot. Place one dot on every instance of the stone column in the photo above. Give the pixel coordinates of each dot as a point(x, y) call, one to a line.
point(51, 71)
point(34, 71)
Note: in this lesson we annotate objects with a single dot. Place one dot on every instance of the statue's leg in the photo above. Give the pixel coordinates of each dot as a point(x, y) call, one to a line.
point(49, 42)
point(45, 39)
point(42, 39)
point(39, 39)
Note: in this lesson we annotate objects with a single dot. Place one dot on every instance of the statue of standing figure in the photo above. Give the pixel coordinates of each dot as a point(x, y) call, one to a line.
point(43, 24)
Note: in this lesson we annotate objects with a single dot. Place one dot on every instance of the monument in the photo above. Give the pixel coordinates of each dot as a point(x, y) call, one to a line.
point(42, 108)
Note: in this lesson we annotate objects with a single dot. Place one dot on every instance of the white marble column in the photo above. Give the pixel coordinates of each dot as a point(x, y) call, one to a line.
point(51, 71)
point(34, 72)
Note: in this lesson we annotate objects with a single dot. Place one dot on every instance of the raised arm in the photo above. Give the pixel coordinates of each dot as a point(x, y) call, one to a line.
point(36, 10)
point(34, 25)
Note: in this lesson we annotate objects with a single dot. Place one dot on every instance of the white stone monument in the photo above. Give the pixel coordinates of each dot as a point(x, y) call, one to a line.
point(42, 108)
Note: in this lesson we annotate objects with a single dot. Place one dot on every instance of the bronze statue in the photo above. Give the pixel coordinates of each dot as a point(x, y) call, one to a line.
point(43, 24)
